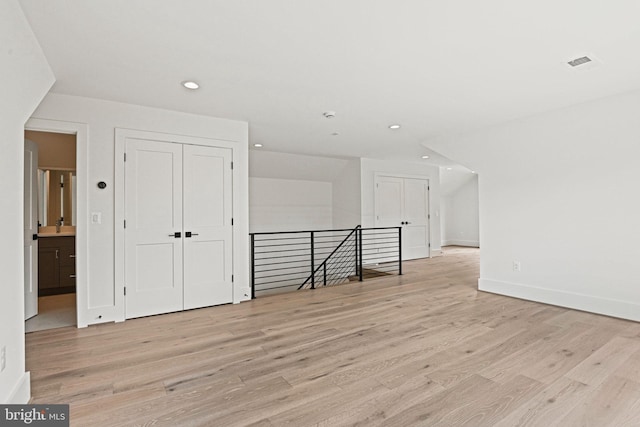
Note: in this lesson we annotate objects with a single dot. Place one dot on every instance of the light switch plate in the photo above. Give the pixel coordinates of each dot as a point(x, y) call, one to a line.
point(96, 217)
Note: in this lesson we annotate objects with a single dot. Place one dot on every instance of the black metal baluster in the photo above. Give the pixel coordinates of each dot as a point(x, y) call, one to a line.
point(359, 232)
point(356, 251)
point(253, 266)
point(313, 269)
point(325, 273)
point(400, 251)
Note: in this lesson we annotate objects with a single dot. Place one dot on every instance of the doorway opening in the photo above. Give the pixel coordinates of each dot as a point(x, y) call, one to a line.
point(459, 207)
point(50, 188)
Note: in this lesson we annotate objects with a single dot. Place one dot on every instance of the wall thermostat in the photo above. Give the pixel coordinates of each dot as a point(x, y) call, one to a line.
point(102, 185)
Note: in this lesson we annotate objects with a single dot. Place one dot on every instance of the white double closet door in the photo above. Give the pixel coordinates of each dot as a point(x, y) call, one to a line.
point(404, 202)
point(178, 234)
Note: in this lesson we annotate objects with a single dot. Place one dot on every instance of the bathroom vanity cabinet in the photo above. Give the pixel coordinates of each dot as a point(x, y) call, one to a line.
point(56, 265)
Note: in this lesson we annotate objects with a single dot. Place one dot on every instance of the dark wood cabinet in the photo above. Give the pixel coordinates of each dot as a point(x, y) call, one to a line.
point(56, 265)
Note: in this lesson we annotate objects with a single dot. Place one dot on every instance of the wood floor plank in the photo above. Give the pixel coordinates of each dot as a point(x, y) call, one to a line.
point(493, 405)
point(569, 355)
point(508, 367)
point(549, 406)
point(346, 399)
point(425, 348)
point(600, 365)
point(376, 411)
point(604, 403)
point(433, 409)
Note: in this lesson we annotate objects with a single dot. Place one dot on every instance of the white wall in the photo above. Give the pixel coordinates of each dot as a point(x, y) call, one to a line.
point(270, 164)
point(289, 205)
point(559, 193)
point(369, 167)
point(460, 216)
point(102, 118)
point(347, 194)
point(338, 178)
point(25, 77)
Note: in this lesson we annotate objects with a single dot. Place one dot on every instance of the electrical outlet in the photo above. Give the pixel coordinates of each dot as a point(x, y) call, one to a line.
point(3, 358)
point(516, 266)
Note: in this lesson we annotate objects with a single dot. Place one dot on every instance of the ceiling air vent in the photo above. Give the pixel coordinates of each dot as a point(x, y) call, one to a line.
point(579, 61)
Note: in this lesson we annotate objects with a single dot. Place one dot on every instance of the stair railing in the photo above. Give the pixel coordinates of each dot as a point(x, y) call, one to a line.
point(290, 260)
point(331, 256)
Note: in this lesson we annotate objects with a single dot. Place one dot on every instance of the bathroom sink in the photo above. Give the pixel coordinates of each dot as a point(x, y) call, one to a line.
point(50, 231)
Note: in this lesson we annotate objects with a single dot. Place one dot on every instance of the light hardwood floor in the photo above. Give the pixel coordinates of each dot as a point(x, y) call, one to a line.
point(425, 348)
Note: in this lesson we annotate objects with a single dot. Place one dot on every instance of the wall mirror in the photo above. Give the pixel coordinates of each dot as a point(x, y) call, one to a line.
point(56, 197)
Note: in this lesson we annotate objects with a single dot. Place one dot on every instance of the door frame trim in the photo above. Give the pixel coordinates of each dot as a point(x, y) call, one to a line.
point(33, 194)
point(377, 175)
point(121, 135)
point(80, 130)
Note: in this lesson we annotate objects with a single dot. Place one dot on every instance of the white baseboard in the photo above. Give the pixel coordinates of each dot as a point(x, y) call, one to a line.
point(599, 305)
point(21, 393)
point(436, 252)
point(470, 243)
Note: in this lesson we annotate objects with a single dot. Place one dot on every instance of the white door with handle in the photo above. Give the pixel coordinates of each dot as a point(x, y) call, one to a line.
point(208, 226)
point(415, 231)
point(404, 202)
point(30, 229)
point(153, 230)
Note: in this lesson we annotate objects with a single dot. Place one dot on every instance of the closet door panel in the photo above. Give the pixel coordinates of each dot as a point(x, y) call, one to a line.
point(416, 214)
point(153, 212)
point(208, 227)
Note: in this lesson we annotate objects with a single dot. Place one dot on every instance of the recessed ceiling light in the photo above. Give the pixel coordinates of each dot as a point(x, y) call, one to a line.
point(335, 134)
point(257, 145)
point(448, 169)
point(394, 127)
point(329, 114)
point(473, 171)
point(425, 157)
point(189, 84)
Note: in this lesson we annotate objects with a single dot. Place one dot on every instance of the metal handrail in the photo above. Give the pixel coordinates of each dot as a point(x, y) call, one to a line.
point(305, 231)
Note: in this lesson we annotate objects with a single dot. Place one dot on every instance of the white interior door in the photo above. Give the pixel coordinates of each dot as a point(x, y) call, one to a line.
point(153, 213)
point(415, 231)
point(389, 201)
point(208, 226)
point(404, 202)
point(30, 229)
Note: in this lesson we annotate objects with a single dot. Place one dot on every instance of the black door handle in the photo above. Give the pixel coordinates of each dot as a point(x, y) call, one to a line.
point(35, 237)
point(189, 234)
point(177, 234)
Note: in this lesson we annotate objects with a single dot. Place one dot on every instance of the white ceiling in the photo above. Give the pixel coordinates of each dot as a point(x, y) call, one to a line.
point(435, 66)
